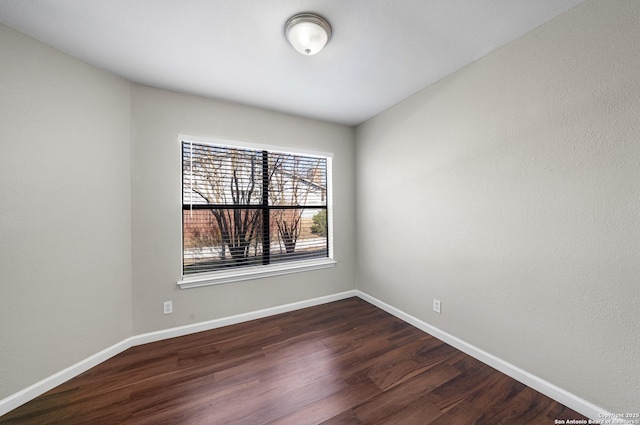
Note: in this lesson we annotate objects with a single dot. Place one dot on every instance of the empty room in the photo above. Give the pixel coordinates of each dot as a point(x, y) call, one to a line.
point(320, 212)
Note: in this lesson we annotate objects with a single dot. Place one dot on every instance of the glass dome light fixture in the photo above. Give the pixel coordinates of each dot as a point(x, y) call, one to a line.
point(308, 33)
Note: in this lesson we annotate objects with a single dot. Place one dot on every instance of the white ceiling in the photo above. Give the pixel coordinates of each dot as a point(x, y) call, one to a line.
point(381, 51)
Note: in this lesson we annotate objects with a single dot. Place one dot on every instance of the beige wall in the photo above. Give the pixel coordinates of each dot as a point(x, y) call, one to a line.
point(521, 177)
point(159, 116)
point(65, 226)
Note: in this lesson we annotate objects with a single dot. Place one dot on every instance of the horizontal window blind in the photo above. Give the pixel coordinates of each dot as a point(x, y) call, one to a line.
point(247, 207)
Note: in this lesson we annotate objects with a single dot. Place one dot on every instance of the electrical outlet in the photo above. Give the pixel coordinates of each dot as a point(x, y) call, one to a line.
point(436, 305)
point(168, 307)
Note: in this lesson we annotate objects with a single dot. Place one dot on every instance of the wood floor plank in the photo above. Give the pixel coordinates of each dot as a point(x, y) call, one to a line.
point(359, 389)
point(396, 399)
point(342, 363)
point(345, 418)
point(418, 412)
point(453, 392)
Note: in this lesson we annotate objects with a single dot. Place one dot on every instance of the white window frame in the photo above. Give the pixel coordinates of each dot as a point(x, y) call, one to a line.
point(264, 271)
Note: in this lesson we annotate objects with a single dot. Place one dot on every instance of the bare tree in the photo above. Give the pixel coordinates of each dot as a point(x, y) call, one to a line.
point(229, 177)
point(291, 181)
point(232, 182)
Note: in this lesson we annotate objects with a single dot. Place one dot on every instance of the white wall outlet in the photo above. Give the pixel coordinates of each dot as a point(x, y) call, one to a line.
point(168, 307)
point(436, 305)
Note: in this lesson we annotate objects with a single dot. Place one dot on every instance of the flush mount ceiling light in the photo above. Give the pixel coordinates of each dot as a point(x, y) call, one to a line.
point(308, 33)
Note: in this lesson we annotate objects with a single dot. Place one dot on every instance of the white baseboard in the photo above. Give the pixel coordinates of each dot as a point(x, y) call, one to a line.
point(550, 390)
point(570, 400)
point(239, 318)
point(21, 397)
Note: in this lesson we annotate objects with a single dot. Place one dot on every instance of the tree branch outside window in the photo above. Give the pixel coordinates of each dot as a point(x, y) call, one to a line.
point(245, 207)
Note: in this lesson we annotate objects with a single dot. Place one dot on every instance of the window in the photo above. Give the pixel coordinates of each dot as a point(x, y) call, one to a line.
point(249, 212)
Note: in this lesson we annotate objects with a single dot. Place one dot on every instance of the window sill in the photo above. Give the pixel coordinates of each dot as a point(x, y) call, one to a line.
point(218, 278)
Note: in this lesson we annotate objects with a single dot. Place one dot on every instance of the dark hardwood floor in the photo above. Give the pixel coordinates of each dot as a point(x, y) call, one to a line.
point(346, 362)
